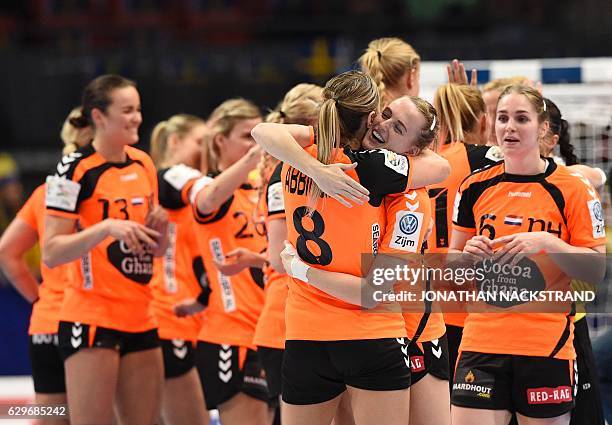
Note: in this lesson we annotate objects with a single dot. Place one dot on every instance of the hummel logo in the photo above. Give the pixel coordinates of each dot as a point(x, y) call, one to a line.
point(225, 366)
point(64, 165)
point(75, 339)
point(180, 352)
point(225, 377)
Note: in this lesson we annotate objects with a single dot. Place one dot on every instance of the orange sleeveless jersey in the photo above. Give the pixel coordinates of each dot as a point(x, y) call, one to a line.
point(236, 301)
point(407, 219)
point(463, 159)
point(496, 204)
point(110, 288)
point(176, 275)
point(334, 238)
point(45, 311)
point(270, 330)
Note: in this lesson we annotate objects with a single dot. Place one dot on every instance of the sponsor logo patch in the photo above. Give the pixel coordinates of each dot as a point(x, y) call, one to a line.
point(597, 218)
point(398, 163)
point(276, 202)
point(406, 231)
point(61, 193)
point(179, 175)
point(546, 395)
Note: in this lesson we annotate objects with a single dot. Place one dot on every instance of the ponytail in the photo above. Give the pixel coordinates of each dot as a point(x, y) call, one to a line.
point(159, 143)
point(565, 147)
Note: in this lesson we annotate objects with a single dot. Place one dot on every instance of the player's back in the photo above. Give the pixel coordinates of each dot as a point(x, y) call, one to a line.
point(334, 238)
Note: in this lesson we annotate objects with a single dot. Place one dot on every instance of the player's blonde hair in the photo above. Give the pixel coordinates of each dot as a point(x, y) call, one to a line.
point(501, 83)
point(180, 124)
point(222, 121)
point(387, 60)
point(348, 98)
point(459, 107)
point(301, 106)
point(74, 137)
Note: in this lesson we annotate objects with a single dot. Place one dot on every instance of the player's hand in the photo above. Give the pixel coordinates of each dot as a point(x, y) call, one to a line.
point(253, 156)
point(458, 75)
point(157, 219)
point(137, 237)
point(288, 255)
point(478, 248)
point(334, 182)
point(515, 247)
point(238, 260)
point(188, 307)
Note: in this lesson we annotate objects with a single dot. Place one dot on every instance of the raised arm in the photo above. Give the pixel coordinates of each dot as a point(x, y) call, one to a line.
point(286, 142)
point(17, 239)
point(210, 194)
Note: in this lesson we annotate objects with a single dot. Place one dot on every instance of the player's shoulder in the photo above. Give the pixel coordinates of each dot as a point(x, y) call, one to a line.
point(569, 180)
point(139, 155)
point(177, 176)
point(488, 173)
point(82, 159)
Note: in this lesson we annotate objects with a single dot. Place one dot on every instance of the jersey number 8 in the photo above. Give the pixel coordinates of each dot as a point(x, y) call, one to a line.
point(324, 256)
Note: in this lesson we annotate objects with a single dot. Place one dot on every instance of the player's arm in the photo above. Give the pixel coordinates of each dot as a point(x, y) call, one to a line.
point(596, 176)
point(277, 234)
point(16, 240)
point(209, 194)
point(346, 287)
point(63, 244)
point(428, 168)
point(286, 141)
point(239, 259)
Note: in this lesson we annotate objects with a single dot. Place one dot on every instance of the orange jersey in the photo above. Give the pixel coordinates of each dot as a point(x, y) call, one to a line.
point(45, 311)
point(463, 159)
point(235, 301)
point(270, 330)
point(407, 220)
point(493, 203)
point(110, 287)
point(334, 238)
point(177, 275)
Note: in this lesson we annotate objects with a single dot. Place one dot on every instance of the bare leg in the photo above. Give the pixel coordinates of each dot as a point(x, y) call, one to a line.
point(468, 416)
point(91, 381)
point(243, 409)
point(380, 407)
point(140, 387)
point(183, 401)
point(56, 398)
point(311, 414)
point(559, 420)
point(430, 402)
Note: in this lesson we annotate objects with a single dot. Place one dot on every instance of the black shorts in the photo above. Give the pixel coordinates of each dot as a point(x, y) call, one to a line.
point(453, 335)
point(589, 408)
point(75, 336)
point(47, 364)
point(226, 370)
point(536, 387)
point(318, 371)
point(179, 357)
point(429, 357)
point(271, 360)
